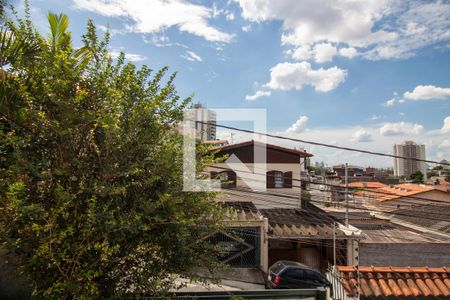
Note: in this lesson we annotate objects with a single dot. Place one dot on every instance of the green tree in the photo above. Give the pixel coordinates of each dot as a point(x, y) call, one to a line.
point(91, 199)
point(416, 177)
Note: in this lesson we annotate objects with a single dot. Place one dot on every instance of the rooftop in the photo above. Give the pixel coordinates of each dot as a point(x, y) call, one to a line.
point(383, 282)
point(431, 216)
point(401, 190)
point(297, 223)
point(367, 184)
point(269, 146)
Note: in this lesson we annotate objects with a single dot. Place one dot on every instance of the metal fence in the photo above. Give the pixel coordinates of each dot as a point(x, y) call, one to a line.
point(239, 247)
point(338, 291)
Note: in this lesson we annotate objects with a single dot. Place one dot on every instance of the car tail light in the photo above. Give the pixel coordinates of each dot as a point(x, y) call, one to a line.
point(276, 280)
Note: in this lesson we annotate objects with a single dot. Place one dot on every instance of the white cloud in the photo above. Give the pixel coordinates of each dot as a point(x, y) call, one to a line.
point(129, 56)
point(191, 56)
point(247, 28)
point(152, 16)
point(349, 52)
point(427, 92)
point(257, 95)
point(362, 136)
point(446, 127)
point(286, 76)
point(229, 16)
point(375, 117)
point(390, 102)
point(401, 128)
point(302, 53)
point(381, 29)
point(445, 144)
point(324, 52)
point(298, 126)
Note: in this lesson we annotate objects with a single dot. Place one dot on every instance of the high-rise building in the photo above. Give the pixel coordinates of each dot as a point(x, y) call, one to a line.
point(206, 131)
point(405, 167)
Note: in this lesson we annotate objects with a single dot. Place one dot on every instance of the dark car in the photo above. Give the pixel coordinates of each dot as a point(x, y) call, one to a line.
point(286, 274)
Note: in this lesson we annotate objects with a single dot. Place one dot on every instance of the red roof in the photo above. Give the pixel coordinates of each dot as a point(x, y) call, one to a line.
point(366, 184)
point(396, 281)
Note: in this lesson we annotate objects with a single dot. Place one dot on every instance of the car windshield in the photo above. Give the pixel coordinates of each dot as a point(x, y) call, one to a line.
point(277, 268)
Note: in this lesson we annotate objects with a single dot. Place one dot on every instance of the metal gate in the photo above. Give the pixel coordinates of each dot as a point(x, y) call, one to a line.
point(239, 246)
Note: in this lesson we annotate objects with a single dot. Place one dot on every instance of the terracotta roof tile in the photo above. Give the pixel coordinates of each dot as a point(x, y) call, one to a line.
point(396, 281)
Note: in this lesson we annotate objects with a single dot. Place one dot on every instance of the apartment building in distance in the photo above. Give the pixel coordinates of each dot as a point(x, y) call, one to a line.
point(406, 167)
point(206, 131)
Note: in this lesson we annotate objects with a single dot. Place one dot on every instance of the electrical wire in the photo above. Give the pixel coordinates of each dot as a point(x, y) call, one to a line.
point(370, 190)
point(323, 144)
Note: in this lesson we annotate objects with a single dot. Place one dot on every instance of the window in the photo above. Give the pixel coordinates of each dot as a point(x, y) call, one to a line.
point(223, 176)
point(278, 179)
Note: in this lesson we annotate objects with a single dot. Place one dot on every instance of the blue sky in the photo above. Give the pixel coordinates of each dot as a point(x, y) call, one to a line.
point(366, 74)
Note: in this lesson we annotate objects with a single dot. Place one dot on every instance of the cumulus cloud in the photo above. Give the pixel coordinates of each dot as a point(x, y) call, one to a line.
point(324, 52)
point(286, 76)
point(299, 125)
point(257, 95)
point(401, 128)
point(362, 136)
point(427, 92)
point(302, 53)
point(446, 127)
point(191, 56)
point(349, 52)
point(380, 29)
point(445, 144)
point(152, 16)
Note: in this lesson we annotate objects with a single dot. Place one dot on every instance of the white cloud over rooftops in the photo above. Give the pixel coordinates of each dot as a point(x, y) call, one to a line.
point(446, 127)
point(401, 128)
point(362, 136)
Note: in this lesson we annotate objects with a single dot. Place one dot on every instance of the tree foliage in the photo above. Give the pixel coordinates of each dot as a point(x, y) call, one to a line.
point(416, 177)
point(91, 199)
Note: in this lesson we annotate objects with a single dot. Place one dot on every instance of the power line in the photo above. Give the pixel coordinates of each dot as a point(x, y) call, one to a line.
point(324, 144)
point(376, 191)
point(296, 203)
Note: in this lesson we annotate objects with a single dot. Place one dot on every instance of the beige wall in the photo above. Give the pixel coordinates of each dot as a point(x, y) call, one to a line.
point(262, 169)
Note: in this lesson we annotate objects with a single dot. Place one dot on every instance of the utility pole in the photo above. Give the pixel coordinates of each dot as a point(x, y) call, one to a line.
point(346, 194)
point(334, 245)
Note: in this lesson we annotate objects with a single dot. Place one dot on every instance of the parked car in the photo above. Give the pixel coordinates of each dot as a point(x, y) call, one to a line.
point(286, 274)
point(321, 188)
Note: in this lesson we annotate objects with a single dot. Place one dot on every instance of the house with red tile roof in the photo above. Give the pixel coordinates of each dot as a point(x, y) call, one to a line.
point(392, 282)
point(406, 195)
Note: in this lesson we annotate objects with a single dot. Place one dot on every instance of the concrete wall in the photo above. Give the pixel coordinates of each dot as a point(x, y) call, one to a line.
point(398, 255)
